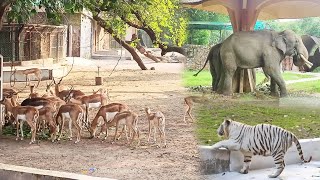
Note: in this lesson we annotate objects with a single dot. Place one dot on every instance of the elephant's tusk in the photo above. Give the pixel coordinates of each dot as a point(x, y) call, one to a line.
point(309, 64)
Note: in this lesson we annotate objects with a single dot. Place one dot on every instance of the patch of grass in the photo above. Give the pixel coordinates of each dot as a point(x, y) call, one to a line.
point(304, 124)
point(295, 76)
point(204, 78)
point(308, 87)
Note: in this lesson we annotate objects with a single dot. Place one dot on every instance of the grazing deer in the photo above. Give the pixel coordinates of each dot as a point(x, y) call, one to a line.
point(46, 119)
point(28, 72)
point(107, 112)
point(189, 100)
point(157, 121)
point(62, 94)
point(89, 101)
point(128, 120)
point(23, 113)
point(75, 114)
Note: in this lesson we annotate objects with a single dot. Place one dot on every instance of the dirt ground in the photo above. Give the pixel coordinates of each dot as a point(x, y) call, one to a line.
point(160, 90)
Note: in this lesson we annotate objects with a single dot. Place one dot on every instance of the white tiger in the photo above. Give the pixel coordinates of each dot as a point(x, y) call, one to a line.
point(262, 139)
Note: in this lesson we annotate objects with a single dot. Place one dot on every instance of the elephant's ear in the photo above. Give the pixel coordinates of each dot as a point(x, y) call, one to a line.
point(279, 42)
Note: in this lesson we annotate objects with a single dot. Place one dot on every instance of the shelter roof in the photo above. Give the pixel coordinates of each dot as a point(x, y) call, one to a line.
point(267, 9)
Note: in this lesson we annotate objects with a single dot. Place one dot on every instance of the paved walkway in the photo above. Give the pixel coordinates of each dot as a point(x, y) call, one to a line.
point(307, 171)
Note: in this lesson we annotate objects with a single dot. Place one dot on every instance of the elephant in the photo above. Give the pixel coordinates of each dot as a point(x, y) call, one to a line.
point(215, 65)
point(266, 49)
point(312, 44)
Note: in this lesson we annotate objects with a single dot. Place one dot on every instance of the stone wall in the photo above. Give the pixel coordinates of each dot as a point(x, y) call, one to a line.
point(196, 56)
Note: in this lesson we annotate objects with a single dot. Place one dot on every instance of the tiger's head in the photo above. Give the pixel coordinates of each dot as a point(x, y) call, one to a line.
point(223, 129)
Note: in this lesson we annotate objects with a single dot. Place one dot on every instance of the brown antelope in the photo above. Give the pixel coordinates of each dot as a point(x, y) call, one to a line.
point(189, 100)
point(157, 121)
point(107, 112)
point(62, 94)
point(46, 119)
point(28, 72)
point(75, 114)
point(23, 113)
point(128, 120)
point(12, 94)
point(89, 101)
point(38, 102)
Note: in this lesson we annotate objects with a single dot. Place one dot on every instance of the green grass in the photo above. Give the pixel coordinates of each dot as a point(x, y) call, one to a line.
point(308, 87)
point(304, 124)
point(204, 78)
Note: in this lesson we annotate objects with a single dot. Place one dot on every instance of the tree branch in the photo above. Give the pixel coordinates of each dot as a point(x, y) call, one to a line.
point(134, 54)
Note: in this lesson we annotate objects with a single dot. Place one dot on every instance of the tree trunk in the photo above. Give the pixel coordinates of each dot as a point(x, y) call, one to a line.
point(134, 54)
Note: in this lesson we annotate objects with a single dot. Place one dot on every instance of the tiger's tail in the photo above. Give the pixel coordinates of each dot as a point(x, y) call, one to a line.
point(295, 140)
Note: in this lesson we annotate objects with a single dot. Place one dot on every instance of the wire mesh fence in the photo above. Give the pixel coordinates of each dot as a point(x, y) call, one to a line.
point(25, 42)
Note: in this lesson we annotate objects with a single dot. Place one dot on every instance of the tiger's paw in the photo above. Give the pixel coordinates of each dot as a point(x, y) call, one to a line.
point(273, 175)
point(244, 171)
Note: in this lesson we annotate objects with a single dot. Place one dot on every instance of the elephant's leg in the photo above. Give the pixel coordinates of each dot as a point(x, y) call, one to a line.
point(275, 74)
point(274, 88)
point(214, 78)
point(229, 68)
point(227, 84)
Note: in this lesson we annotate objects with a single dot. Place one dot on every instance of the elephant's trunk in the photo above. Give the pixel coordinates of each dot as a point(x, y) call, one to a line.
point(308, 63)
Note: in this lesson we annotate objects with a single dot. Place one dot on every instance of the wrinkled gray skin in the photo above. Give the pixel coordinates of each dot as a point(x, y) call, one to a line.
point(215, 65)
point(263, 49)
point(312, 42)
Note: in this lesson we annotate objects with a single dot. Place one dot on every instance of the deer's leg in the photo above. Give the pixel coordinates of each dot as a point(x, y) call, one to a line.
point(33, 130)
point(163, 136)
point(17, 127)
point(62, 125)
point(115, 133)
point(26, 80)
point(39, 79)
point(78, 130)
point(21, 129)
point(123, 129)
point(70, 128)
point(189, 113)
point(149, 134)
point(154, 134)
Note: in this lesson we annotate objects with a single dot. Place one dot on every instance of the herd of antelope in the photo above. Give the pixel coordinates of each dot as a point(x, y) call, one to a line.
point(52, 109)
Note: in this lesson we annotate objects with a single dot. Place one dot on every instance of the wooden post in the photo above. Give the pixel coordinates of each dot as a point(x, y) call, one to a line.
point(241, 21)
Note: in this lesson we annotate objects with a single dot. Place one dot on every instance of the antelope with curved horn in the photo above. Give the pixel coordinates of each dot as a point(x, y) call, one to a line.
point(23, 113)
point(62, 94)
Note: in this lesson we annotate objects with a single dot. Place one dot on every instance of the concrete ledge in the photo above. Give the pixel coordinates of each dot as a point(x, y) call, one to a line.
point(21, 173)
point(213, 161)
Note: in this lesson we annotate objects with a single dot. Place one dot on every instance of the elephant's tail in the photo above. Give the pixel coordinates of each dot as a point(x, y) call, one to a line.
point(208, 57)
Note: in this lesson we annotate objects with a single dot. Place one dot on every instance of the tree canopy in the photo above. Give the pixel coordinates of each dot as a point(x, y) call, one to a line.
point(308, 26)
point(163, 20)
